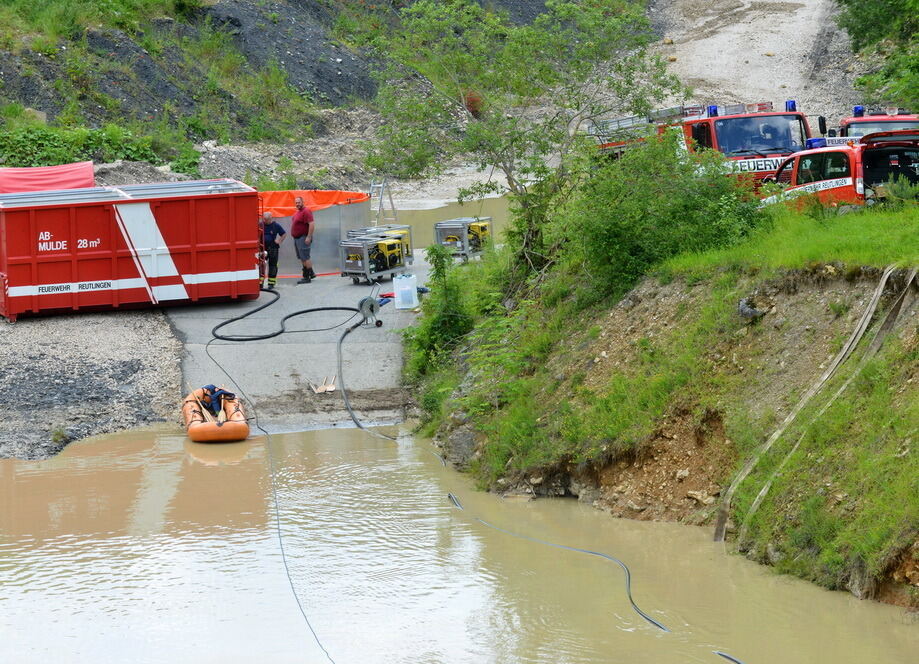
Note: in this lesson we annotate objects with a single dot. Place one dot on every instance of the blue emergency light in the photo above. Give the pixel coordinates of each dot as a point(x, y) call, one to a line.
point(812, 143)
point(713, 111)
point(858, 111)
point(790, 105)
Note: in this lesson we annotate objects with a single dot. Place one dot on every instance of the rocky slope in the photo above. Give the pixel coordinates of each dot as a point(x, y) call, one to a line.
point(732, 51)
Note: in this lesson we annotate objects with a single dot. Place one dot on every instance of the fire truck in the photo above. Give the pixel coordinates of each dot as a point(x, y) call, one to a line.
point(863, 122)
point(755, 138)
point(850, 174)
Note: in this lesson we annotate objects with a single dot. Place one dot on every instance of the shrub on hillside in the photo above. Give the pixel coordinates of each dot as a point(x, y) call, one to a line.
point(49, 146)
point(889, 28)
point(654, 202)
point(445, 318)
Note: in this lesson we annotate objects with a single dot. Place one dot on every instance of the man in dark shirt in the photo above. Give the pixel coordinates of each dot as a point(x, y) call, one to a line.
point(273, 235)
point(301, 228)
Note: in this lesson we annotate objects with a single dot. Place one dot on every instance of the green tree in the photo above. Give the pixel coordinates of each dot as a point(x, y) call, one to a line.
point(514, 98)
point(654, 203)
point(892, 27)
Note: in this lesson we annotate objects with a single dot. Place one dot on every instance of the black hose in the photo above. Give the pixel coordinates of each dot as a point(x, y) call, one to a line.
point(344, 394)
point(344, 389)
point(274, 491)
point(277, 505)
point(283, 329)
point(628, 574)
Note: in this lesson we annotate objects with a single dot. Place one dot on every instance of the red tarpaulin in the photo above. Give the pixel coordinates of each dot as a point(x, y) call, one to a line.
point(281, 203)
point(45, 178)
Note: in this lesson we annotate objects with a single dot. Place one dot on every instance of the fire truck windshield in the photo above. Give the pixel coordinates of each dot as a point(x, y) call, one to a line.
point(760, 134)
point(864, 128)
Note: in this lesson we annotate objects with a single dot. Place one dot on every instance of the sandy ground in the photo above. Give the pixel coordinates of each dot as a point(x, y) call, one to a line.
point(732, 51)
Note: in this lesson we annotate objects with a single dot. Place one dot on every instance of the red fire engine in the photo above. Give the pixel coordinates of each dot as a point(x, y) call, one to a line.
point(862, 123)
point(851, 174)
point(753, 137)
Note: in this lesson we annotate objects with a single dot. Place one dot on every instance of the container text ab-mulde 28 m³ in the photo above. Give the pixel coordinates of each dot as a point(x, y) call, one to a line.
point(135, 245)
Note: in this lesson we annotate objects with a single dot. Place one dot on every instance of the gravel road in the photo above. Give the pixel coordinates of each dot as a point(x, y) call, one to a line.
point(732, 51)
point(68, 377)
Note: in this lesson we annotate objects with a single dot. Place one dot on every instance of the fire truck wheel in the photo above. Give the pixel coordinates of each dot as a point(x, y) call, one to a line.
point(355, 280)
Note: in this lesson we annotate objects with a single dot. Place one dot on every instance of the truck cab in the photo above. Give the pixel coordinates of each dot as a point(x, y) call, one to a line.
point(753, 137)
point(853, 173)
point(863, 122)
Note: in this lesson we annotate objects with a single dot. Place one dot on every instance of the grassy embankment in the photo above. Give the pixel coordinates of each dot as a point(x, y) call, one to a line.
point(846, 502)
point(233, 98)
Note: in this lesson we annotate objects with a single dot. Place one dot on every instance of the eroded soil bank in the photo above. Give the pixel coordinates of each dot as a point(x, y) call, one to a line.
point(755, 370)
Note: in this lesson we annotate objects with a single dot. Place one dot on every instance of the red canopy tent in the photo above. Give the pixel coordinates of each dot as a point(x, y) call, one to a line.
point(44, 178)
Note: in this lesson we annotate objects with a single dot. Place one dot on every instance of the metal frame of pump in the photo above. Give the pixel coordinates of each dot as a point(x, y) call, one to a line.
point(372, 256)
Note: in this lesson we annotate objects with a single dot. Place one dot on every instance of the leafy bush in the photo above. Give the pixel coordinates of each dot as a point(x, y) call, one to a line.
point(47, 146)
point(654, 202)
point(66, 18)
point(869, 21)
point(445, 319)
point(900, 192)
point(891, 27)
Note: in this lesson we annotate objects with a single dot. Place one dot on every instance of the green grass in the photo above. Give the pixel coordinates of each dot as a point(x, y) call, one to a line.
point(45, 146)
point(849, 496)
point(863, 238)
point(50, 20)
point(235, 99)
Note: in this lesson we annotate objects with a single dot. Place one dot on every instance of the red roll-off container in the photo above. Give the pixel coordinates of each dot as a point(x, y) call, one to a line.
point(134, 245)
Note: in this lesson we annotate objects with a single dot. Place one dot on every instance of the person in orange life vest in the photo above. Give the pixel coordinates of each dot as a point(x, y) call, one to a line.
point(301, 228)
point(273, 235)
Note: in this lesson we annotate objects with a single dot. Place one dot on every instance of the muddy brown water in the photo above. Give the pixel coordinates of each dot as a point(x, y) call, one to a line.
point(145, 547)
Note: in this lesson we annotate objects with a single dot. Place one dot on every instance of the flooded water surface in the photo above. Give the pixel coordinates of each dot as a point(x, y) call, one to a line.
point(148, 548)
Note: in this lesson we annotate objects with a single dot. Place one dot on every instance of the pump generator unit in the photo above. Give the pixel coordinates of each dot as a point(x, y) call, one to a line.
point(465, 236)
point(372, 256)
point(402, 231)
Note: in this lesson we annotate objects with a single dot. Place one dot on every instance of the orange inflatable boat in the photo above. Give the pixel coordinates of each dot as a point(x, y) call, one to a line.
point(213, 415)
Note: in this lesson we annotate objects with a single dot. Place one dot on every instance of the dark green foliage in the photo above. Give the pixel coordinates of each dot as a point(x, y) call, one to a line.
point(901, 193)
point(445, 319)
point(46, 146)
point(891, 27)
point(67, 18)
point(482, 76)
point(870, 21)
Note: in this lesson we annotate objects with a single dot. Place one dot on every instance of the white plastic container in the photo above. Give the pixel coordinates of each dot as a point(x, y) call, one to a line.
point(405, 286)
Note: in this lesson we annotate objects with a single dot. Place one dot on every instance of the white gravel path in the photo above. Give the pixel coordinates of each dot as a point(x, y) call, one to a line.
point(732, 51)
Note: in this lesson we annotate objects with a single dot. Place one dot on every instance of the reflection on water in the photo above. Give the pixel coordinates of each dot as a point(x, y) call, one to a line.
point(149, 548)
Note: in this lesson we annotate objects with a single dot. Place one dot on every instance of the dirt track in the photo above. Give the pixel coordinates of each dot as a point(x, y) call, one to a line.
point(749, 51)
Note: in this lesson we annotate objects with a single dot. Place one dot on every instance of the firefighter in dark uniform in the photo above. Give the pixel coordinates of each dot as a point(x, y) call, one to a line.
point(273, 234)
